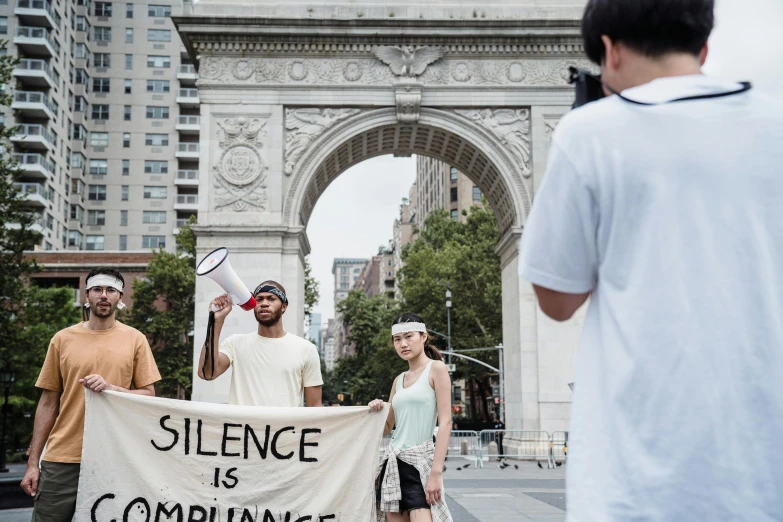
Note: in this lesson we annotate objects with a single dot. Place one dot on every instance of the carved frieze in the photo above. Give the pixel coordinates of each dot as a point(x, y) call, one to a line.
point(511, 127)
point(304, 126)
point(240, 171)
point(408, 61)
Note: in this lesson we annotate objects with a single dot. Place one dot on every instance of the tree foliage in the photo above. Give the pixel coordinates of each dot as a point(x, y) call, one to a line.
point(311, 289)
point(164, 307)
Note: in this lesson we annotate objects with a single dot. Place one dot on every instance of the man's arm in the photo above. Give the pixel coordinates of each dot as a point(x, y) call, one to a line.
point(45, 415)
point(313, 396)
point(220, 360)
point(97, 383)
point(559, 305)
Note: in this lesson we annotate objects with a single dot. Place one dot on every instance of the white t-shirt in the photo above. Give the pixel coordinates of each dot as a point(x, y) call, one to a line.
point(673, 216)
point(271, 371)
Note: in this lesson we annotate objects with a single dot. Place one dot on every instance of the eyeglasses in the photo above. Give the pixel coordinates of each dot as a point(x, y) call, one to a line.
point(97, 291)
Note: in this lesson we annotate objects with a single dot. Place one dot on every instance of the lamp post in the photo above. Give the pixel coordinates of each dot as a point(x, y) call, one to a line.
point(448, 320)
point(7, 378)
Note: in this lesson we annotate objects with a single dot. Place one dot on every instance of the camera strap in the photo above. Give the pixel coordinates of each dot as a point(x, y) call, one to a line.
point(746, 86)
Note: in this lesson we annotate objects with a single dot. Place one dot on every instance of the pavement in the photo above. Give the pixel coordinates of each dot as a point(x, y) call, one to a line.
point(522, 494)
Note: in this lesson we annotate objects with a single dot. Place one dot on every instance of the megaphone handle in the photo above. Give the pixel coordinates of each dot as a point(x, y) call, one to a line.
point(215, 308)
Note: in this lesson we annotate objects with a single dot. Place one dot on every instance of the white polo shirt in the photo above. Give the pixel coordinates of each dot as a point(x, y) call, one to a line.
point(673, 216)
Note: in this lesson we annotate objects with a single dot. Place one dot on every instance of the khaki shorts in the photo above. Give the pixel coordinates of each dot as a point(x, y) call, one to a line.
point(56, 497)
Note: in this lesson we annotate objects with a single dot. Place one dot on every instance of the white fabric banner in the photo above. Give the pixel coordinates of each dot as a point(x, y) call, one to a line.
point(149, 460)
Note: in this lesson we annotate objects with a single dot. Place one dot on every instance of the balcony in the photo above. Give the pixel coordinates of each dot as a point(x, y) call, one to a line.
point(33, 136)
point(186, 202)
point(187, 74)
point(37, 12)
point(186, 178)
point(189, 124)
point(187, 150)
point(188, 97)
point(33, 165)
point(35, 194)
point(36, 41)
point(37, 226)
point(34, 104)
point(33, 71)
point(181, 222)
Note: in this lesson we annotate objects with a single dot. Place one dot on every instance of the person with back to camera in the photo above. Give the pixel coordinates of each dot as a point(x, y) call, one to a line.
point(410, 481)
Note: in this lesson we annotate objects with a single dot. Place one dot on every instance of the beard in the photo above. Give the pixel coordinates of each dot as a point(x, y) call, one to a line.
point(102, 312)
point(272, 320)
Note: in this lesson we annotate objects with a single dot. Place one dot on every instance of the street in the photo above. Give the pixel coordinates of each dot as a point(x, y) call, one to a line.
point(478, 495)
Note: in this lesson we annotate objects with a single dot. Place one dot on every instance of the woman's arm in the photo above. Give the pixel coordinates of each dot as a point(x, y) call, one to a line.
point(377, 405)
point(441, 383)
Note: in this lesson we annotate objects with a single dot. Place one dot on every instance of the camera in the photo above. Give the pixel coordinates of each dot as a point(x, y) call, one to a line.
point(587, 86)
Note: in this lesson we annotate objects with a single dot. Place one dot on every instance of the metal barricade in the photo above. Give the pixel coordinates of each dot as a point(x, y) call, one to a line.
point(464, 444)
point(515, 444)
point(559, 446)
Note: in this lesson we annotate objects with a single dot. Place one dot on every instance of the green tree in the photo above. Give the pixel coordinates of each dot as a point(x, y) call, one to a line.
point(461, 255)
point(163, 308)
point(311, 289)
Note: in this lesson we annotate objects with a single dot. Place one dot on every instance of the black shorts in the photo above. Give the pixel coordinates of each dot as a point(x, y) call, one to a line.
point(413, 496)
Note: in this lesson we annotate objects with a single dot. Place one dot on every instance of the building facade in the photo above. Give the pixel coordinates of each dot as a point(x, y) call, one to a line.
point(107, 111)
point(442, 186)
point(314, 331)
point(346, 272)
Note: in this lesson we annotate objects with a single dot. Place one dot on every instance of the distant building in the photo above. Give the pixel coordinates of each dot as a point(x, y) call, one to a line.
point(346, 272)
point(441, 186)
point(327, 342)
point(314, 330)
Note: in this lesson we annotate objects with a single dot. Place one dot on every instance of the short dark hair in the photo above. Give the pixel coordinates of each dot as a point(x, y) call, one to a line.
point(650, 27)
point(105, 270)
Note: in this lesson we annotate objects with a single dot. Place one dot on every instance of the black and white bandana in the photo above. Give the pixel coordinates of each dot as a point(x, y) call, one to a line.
point(270, 290)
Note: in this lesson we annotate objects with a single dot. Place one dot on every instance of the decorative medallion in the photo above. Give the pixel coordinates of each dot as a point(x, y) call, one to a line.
point(461, 72)
point(297, 70)
point(243, 70)
point(353, 71)
point(515, 72)
point(241, 165)
point(240, 179)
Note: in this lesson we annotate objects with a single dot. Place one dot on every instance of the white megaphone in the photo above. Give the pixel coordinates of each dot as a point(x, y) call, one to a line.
point(216, 267)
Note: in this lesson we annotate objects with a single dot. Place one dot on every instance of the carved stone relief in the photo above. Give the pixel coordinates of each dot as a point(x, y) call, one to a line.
point(512, 129)
point(408, 61)
point(304, 126)
point(216, 70)
point(240, 178)
point(407, 95)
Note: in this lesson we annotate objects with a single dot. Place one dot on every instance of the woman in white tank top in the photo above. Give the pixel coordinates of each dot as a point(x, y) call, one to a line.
point(409, 481)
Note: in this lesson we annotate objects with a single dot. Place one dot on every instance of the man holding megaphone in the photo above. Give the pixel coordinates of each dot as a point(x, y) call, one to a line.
point(271, 367)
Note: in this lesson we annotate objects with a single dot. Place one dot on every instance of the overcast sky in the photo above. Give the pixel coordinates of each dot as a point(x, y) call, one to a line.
point(355, 214)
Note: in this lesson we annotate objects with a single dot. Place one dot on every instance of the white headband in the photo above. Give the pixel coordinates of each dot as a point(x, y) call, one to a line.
point(408, 327)
point(105, 280)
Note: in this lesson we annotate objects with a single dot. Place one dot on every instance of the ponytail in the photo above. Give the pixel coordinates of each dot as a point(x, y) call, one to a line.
point(432, 352)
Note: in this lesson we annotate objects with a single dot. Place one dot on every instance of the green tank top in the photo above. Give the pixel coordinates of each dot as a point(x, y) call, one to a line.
point(415, 411)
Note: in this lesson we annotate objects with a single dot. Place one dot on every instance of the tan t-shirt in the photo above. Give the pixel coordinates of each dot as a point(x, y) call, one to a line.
point(121, 355)
point(271, 371)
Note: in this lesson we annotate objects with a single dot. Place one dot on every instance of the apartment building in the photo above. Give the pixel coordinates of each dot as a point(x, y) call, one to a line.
point(108, 122)
point(439, 185)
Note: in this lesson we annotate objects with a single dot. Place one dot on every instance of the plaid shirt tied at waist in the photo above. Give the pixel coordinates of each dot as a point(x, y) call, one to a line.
point(420, 457)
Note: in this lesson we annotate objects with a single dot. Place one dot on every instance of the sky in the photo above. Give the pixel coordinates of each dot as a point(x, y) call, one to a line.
point(355, 214)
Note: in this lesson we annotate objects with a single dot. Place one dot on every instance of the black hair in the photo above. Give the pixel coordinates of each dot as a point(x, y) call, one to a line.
point(429, 351)
point(105, 270)
point(650, 27)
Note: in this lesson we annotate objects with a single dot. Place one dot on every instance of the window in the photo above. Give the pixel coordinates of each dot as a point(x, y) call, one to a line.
point(82, 53)
point(3, 25)
point(156, 167)
point(158, 35)
point(156, 140)
point(453, 173)
point(77, 211)
point(476, 194)
point(100, 84)
point(81, 77)
point(124, 196)
point(160, 11)
point(129, 11)
point(157, 113)
point(75, 238)
point(157, 86)
point(357, 270)
point(126, 112)
point(94, 243)
point(98, 167)
point(77, 161)
point(454, 194)
point(161, 62)
point(100, 112)
point(96, 193)
point(129, 35)
point(99, 139)
point(96, 217)
point(153, 241)
point(102, 34)
point(102, 8)
point(102, 59)
point(155, 192)
point(123, 218)
point(128, 62)
point(454, 215)
point(126, 140)
point(82, 24)
point(155, 217)
point(123, 242)
point(79, 132)
point(128, 85)
point(126, 167)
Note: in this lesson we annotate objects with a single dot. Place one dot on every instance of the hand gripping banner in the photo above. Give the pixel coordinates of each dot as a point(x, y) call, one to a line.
point(148, 459)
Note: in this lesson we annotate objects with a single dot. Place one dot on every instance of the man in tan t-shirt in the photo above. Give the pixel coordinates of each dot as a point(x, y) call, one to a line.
point(271, 367)
point(100, 354)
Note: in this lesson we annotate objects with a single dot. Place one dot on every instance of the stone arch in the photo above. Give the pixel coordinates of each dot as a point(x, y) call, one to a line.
point(438, 133)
